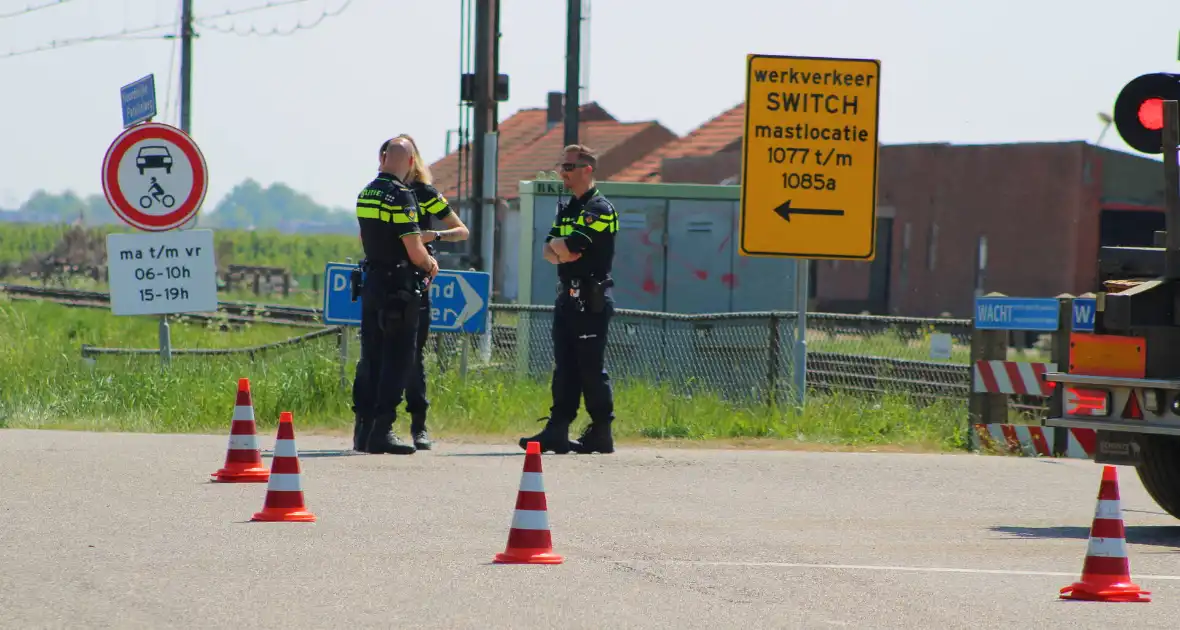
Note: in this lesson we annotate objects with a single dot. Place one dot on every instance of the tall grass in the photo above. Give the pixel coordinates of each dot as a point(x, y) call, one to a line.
point(46, 383)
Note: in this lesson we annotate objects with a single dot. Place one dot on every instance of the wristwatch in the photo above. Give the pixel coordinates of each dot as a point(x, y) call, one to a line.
point(437, 235)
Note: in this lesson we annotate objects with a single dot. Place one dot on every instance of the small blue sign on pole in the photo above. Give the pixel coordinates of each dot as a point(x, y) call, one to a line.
point(1013, 313)
point(139, 100)
point(1084, 310)
point(339, 309)
point(458, 299)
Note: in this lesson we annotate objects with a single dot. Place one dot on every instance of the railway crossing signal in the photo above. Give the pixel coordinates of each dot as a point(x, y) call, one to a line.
point(1139, 110)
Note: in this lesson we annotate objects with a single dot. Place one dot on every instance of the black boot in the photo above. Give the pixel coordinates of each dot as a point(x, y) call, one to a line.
point(360, 433)
point(554, 438)
point(418, 432)
point(382, 439)
point(596, 438)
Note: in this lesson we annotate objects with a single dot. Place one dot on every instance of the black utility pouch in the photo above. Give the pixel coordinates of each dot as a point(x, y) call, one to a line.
point(596, 300)
point(356, 284)
point(410, 301)
point(401, 306)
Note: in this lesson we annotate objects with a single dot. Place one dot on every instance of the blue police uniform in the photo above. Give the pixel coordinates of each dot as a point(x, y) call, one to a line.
point(386, 211)
point(581, 318)
point(432, 206)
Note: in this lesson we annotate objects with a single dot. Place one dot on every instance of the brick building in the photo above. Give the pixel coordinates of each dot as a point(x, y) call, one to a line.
point(1034, 214)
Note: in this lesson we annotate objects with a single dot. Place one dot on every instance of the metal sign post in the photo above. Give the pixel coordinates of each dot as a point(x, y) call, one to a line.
point(809, 169)
point(1171, 135)
point(799, 357)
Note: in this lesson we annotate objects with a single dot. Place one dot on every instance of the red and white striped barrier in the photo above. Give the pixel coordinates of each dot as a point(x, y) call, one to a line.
point(1012, 377)
point(1038, 440)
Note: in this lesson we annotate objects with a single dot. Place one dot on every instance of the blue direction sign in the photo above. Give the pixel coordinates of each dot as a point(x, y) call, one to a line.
point(1083, 314)
point(458, 299)
point(1012, 313)
point(139, 100)
point(339, 309)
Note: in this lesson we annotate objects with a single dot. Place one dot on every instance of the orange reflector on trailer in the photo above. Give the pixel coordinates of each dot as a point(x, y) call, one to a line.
point(1107, 355)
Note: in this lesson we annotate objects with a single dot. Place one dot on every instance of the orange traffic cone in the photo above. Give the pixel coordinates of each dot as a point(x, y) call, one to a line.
point(284, 493)
point(529, 541)
point(1106, 574)
point(243, 459)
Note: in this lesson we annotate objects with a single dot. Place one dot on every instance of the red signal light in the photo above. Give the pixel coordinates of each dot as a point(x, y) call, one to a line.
point(1151, 114)
point(1139, 110)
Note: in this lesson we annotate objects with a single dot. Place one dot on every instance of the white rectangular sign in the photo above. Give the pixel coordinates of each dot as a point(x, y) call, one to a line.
point(940, 345)
point(152, 273)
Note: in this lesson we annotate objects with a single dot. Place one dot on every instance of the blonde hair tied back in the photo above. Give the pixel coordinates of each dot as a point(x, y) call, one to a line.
point(420, 171)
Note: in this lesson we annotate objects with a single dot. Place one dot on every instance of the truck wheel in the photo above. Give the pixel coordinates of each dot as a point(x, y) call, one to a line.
point(1160, 470)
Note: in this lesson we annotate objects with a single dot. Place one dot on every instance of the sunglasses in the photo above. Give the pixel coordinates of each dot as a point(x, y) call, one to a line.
point(569, 166)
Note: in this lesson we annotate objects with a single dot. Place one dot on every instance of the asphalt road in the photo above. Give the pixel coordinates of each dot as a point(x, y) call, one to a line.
point(121, 530)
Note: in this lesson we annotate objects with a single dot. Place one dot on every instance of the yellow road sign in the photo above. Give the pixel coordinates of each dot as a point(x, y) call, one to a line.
point(809, 157)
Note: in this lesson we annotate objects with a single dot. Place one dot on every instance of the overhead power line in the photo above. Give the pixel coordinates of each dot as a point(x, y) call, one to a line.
point(299, 26)
point(270, 4)
point(74, 41)
point(31, 8)
point(145, 32)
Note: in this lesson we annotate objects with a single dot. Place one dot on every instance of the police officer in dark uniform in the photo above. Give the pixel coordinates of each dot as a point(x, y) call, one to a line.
point(433, 211)
point(581, 243)
point(388, 216)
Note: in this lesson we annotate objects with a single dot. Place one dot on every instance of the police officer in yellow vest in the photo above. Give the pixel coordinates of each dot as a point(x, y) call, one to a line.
point(581, 243)
point(433, 209)
point(390, 296)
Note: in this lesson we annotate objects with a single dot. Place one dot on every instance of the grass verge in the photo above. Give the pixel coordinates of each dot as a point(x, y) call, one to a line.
point(46, 384)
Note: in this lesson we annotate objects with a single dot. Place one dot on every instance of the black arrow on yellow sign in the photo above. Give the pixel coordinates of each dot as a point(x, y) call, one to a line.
point(785, 211)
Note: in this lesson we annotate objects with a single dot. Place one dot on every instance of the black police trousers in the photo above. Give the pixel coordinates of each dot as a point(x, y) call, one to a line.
point(389, 326)
point(579, 352)
point(416, 400)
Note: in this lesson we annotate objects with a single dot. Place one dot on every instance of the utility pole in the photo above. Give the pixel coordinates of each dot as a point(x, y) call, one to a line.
point(487, 19)
point(186, 86)
point(484, 83)
point(186, 64)
point(1171, 137)
point(573, 58)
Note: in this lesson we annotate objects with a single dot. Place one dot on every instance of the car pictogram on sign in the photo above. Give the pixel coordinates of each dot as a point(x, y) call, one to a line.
point(154, 156)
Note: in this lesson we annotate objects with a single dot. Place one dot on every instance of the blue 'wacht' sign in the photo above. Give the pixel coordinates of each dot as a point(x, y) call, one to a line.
point(1083, 314)
point(1013, 313)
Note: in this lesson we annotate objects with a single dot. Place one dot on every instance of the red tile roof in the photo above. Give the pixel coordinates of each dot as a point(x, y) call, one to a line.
point(617, 145)
point(517, 131)
point(722, 133)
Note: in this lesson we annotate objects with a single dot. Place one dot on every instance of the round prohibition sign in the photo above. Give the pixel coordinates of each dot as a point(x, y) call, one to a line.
point(165, 171)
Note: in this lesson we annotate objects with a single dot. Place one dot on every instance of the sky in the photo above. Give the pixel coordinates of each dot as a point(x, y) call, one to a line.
point(309, 108)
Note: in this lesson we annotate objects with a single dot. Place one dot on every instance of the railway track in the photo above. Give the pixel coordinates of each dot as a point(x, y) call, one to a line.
point(235, 312)
point(922, 379)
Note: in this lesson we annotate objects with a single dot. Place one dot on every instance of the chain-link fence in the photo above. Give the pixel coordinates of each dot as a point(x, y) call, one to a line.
point(741, 357)
point(747, 356)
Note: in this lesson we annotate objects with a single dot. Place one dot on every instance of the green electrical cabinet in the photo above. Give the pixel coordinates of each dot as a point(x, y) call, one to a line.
point(677, 254)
